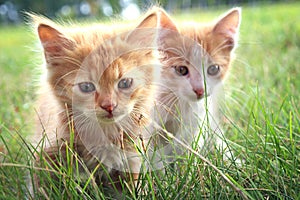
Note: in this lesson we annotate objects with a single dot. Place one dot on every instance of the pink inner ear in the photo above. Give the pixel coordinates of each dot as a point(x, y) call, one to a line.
point(149, 22)
point(47, 33)
point(168, 32)
point(166, 22)
point(52, 48)
point(229, 24)
point(52, 40)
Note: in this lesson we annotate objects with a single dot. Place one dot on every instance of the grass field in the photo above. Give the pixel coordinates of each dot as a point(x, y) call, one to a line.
point(262, 110)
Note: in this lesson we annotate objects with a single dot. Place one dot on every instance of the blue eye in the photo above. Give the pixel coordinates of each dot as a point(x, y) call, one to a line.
point(213, 70)
point(125, 83)
point(86, 87)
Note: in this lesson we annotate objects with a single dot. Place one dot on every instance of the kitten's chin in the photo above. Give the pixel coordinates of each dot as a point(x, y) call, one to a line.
point(106, 120)
point(109, 118)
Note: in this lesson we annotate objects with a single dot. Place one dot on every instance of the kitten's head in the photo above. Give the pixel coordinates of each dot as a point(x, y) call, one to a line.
point(100, 77)
point(197, 57)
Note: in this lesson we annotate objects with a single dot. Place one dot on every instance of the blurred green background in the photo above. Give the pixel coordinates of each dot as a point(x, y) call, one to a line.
point(128, 9)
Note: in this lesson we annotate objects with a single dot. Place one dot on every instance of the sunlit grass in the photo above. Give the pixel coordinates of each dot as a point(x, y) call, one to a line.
point(261, 118)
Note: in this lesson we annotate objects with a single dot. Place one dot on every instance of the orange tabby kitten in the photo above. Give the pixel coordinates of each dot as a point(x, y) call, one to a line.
point(196, 60)
point(99, 88)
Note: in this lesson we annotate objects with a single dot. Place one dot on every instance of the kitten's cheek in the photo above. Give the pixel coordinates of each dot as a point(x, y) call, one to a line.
point(188, 95)
point(83, 102)
point(77, 94)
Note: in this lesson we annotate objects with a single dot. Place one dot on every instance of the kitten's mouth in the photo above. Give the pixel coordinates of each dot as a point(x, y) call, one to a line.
point(106, 118)
point(200, 97)
point(109, 116)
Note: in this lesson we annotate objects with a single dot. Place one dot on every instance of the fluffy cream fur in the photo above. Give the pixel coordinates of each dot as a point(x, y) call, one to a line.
point(87, 93)
point(187, 104)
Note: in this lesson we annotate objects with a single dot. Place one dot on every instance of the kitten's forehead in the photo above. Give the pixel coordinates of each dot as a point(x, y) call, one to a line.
point(110, 60)
point(186, 52)
point(112, 72)
point(129, 63)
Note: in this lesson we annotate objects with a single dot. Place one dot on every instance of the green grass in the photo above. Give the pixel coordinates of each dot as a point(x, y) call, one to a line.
point(262, 98)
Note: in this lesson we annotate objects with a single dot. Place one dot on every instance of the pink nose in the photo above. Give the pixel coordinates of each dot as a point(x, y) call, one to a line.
point(199, 93)
point(108, 107)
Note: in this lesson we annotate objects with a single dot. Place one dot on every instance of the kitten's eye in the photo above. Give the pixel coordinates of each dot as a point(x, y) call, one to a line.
point(182, 70)
point(87, 87)
point(213, 70)
point(125, 83)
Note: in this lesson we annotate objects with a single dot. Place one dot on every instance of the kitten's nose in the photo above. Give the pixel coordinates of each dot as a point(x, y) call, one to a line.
point(108, 107)
point(199, 93)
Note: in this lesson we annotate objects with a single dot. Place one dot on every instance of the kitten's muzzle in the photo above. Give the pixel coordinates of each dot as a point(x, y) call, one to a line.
point(109, 108)
point(199, 93)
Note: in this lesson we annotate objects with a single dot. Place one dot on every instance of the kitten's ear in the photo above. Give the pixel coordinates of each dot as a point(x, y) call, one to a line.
point(166, 28)
point(157, 18)
point(228, 26)
point(53, 40)
point(166, 32)
point(150, 21)
point(165, 21)
point(156, 26)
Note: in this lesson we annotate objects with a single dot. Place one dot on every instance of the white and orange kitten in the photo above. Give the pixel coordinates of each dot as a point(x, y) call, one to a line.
point(196, 59)
point(99, 87)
